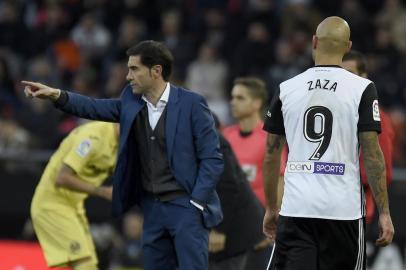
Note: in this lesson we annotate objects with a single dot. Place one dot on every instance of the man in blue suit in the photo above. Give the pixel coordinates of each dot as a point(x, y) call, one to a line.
point(169, 160)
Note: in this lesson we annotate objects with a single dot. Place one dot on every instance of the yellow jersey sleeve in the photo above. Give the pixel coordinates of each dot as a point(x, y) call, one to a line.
point(85, 148)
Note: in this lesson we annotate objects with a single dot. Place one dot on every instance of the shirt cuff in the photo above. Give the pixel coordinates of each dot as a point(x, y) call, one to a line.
point(62, 99)
point(197, 205)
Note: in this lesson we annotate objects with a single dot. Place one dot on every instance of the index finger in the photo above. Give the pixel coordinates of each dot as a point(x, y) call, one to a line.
point(31, 83)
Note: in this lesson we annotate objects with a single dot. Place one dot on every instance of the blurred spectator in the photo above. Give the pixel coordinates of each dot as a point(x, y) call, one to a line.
point(13, 140)
point(128, 251)
point(67, 57)
point(145, 10)
point(12, 136)
point(260, 6)
point(285, 67)
point(50, 24)
point(8, 96)
point(214, 22)
point(116, 79)
point(92, 37)
point(299, 14)
point(84, 82)
point(355, 15)
point(179, 44)
point(12, 29)
point(398, 31)
point(207, 76)
point(254, 54)
point(130, 32)
point(35, 114)
point(398, 118)
point(393, 16)
point(33, 117)
point(41, 69)
point(28, 233)
point(383, 63)
point(104, 236)
point(265, 11)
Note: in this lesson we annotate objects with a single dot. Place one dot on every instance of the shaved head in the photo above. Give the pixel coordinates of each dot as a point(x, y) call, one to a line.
point(333, 36)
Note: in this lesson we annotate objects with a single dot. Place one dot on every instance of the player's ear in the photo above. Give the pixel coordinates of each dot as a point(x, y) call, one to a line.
point(314, 42)
point(349, 46)
point(156, 71)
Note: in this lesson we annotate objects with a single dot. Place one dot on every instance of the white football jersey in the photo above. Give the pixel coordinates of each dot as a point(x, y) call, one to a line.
point(321, 112)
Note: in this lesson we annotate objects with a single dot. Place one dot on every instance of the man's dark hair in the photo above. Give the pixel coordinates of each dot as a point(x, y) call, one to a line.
point(256, 87)
point(359, 59)
point(153, 53)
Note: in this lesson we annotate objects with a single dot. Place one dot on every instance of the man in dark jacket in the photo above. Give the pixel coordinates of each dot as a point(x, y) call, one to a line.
point(241, 228)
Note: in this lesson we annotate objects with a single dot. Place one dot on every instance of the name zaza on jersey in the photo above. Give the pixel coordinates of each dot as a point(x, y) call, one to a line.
point(322, 84)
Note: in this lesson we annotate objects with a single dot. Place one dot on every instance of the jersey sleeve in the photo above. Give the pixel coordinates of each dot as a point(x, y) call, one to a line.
point(83, 150)
point(368, 110)
point(274, 119)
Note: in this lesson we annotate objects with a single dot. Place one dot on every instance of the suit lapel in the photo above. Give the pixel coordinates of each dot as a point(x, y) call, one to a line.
point(171, 119)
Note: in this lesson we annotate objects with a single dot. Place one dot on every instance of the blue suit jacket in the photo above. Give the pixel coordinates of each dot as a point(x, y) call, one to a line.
point(192, 146)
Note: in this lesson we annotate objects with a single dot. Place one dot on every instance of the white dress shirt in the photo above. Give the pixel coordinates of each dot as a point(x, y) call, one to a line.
point(155, 112)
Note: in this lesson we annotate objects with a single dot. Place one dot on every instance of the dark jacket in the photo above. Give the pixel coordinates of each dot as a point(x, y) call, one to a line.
point(243, 213)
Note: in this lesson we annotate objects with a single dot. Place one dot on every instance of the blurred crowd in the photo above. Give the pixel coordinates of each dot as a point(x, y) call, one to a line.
point(80, 45)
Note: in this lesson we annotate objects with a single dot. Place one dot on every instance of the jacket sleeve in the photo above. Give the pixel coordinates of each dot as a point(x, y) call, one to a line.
point(90, 108)
point(207, 151)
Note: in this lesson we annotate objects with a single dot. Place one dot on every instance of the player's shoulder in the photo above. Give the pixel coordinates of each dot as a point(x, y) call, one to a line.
point(92, 137)
point(187, 94)
point(294, 80)
point(352, 78)
point(94, 131)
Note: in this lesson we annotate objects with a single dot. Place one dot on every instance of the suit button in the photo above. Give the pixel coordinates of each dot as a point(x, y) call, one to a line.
point(152, 138)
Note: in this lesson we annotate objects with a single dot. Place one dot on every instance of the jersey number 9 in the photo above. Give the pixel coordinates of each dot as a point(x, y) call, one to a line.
point(321, 118)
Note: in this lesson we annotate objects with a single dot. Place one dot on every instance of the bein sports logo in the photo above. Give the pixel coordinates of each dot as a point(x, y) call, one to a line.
point(316, 167)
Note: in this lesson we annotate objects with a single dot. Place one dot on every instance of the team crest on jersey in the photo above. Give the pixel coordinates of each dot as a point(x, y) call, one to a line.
point(84, 148)
point(74, 247)
point(375, 111)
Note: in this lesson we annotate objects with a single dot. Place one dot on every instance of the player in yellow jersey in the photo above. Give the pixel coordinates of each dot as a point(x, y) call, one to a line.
point(85, 158)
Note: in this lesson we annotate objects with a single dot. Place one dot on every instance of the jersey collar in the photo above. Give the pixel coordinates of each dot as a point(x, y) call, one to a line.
point(332, 66)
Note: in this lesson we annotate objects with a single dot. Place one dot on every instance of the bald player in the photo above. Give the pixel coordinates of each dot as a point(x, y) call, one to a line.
point(323, 114)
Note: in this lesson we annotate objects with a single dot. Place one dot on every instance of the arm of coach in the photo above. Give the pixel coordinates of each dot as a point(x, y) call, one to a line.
point(81, 106)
